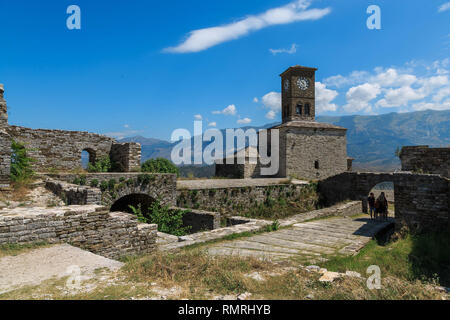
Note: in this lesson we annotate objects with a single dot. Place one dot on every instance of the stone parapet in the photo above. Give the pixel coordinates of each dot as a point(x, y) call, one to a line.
point(92, 228)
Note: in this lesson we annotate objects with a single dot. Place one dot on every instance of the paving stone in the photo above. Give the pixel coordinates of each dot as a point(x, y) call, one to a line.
point(309, 240)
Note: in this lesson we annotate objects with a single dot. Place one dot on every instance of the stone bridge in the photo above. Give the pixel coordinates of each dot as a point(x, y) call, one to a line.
point(115, 190)
point(421, 200)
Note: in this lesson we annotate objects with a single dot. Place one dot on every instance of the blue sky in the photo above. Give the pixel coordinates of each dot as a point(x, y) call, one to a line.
point(143, 67)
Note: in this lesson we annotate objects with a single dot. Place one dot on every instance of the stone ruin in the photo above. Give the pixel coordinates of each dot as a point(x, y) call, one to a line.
point(97, 221)
point(60, 150)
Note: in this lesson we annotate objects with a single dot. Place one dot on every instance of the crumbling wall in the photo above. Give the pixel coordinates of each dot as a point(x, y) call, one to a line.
point(5, 144)
point(426, 160)
point(59, 149)
point(126, 156)
point(92, 228)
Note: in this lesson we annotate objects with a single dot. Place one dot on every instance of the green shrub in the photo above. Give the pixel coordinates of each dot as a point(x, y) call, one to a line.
point(101, 165)
point(83, 180)
point(138, 212)
point(160, 165)
point(168, 220)
point(111, 184)
point(94, 183)
point(122, 179)
point(104, 186)
point(21, 164)
point(76, 181)
point(273, 227)
point(145, 179)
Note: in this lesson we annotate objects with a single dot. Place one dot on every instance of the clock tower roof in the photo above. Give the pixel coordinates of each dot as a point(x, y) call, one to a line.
point(297, 68)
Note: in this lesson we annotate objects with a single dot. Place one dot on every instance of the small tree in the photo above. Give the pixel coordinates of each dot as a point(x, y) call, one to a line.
point(160, 165)
point(101, 165)
point(21, 164)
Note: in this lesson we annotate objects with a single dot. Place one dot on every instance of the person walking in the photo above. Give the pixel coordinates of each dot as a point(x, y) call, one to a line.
point(382, 206)
point(371, 202)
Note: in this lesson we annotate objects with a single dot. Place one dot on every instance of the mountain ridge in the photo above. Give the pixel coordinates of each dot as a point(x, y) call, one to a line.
point(372, 140)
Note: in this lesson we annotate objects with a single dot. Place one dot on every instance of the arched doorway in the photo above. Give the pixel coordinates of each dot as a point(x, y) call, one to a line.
point(388, 188)
point(135, 200)
point(87, 156)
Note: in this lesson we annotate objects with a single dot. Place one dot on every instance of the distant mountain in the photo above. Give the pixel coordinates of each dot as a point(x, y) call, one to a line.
point(155, 148)
point(151, 148)
point(371, 140)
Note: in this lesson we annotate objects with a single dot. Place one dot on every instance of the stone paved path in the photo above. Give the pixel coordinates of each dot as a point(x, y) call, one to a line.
point(58, 261)
point(308, 241)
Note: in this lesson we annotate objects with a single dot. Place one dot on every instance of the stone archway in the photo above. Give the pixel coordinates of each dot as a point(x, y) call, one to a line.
point(135, 199)
point(387, 187)
point(88, 155)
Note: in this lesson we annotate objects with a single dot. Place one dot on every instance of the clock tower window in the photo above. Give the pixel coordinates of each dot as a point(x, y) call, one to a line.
point(298, 109)
point(307, 109)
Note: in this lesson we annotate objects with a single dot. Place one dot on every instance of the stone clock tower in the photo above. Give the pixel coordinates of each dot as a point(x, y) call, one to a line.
point(298, 94)
point(308, 149)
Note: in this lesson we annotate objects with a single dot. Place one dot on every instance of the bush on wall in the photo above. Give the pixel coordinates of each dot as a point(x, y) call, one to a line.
point(21, 164)
point(160, 165)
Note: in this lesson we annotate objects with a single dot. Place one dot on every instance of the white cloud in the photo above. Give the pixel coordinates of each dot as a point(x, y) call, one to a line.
point(255, 100)
point(126, 125)
point(202, 39)
point(441, 94)
point(291, 50)
point(358, 97)
point(445, 105)
point(198, 117)
point(444, 7)
point(391, 78)
point(271, 115)
point(428, 85)
point(212, 124)
point(272, 100)
point(244, 121)
point(353, 78)
point(228, 111)
point(324, 97)
point(399, 97)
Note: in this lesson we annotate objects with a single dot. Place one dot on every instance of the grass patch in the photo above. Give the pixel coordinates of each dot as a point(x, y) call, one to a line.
point(416, 257)
point(16, 249)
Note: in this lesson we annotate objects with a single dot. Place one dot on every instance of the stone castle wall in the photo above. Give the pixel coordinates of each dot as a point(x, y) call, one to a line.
point(304, 146)
point(161, 186)
point(126, 155)
point(61, 149)
point(422, 201)
point(5, 144)
point(92, 228)
point(426, 160)
point(233, 200)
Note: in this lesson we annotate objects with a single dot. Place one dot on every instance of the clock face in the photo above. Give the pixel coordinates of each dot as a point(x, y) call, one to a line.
point(286, 85)
point(303, 83)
